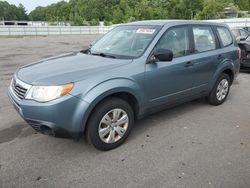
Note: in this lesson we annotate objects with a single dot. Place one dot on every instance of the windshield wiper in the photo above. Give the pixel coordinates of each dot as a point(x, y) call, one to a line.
point(85, 51)
point(103, 55)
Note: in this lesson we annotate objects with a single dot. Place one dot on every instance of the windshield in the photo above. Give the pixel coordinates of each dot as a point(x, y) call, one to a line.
point(125, 41)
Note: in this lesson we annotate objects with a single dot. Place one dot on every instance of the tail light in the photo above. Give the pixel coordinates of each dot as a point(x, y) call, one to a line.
point(239, 53)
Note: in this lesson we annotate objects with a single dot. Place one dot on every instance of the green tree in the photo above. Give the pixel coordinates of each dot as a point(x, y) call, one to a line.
point(80, 12)
point(213, 9)
point(12, 12)
point(243, 4)
point(21, 13)
point(38, 14)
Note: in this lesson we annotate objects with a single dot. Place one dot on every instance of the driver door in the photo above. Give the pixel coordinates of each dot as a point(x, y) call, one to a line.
point(168, 82)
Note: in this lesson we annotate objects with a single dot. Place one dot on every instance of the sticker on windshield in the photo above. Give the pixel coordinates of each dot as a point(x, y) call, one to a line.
point(145, 31)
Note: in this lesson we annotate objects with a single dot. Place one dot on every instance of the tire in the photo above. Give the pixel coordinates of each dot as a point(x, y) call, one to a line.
point(215, 98)
point(100, 123)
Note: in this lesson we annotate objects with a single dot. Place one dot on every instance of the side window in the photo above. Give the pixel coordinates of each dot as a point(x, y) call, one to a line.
point(243, 33)
point(204, 39)
point(235, 32)
point(176, 40)
point(225, 36)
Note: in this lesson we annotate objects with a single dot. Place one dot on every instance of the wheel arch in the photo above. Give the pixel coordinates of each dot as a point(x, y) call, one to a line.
point(230, 73)
point(130, 92)
point(227, 68)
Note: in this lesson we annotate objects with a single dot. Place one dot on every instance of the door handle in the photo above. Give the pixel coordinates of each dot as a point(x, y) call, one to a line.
point(219, 56)
point(189, 63)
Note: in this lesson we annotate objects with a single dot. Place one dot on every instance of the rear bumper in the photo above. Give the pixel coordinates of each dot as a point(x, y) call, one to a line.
point(62, 117)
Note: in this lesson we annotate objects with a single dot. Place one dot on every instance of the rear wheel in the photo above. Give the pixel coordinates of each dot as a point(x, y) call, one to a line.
point(110, 123)
point(220, 90)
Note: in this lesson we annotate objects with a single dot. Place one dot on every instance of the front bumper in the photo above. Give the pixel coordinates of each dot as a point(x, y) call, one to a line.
point(62, 117)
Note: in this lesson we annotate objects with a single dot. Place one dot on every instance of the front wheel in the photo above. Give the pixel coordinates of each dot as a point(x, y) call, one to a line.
point(220, 90)
point(110, 123)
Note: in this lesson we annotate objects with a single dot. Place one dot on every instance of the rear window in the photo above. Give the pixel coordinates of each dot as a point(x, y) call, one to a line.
point(235, 32)
point(225, 36)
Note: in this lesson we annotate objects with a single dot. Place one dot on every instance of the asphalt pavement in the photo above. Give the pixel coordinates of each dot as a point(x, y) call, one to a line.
point(193, 145)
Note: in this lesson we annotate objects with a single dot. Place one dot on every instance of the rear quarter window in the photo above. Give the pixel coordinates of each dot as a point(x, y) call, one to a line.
point(235, 33)
point(225, 36)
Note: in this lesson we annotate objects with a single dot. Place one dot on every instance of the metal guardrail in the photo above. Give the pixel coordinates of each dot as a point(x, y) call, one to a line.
point(52, 30)
point(234, 22)
point(78, 30)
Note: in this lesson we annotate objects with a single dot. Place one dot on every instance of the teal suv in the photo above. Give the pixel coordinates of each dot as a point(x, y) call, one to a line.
point(134, 70)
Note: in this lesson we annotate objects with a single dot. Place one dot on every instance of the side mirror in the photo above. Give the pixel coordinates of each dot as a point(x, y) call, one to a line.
point(87, 50)
point(240, 39)
point(161, 55)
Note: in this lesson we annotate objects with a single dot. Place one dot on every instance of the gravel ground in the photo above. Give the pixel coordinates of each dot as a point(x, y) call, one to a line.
point(193, 145)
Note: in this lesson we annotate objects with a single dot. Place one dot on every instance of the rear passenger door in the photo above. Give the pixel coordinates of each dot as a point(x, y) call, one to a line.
point(207, 57)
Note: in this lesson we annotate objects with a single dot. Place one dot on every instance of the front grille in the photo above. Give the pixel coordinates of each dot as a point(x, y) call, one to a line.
point(19, 88)
point(19, 91)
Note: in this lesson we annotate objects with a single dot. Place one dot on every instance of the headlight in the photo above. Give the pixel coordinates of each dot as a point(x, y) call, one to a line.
point(48, 93)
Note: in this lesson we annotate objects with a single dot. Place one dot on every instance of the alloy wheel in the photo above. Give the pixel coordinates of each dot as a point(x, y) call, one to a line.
point(222, 89)
point(113, 125)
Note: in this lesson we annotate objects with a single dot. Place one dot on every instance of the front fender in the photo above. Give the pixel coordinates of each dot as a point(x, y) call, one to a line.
point(109, 87)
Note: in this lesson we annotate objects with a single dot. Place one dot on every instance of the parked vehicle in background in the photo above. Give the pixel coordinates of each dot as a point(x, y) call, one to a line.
point(247, 28)
point(134, 70)
point(240, 33)
point(243, 40)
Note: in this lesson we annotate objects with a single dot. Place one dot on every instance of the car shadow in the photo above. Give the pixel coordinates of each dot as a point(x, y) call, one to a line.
point(9, 134)
point(141, 126)
point(57, 145)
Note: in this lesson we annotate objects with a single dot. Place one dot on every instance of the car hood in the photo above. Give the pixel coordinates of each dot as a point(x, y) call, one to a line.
point(67, 68)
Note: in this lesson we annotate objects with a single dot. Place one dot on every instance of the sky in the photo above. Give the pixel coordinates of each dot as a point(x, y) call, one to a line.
point(32, 4)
